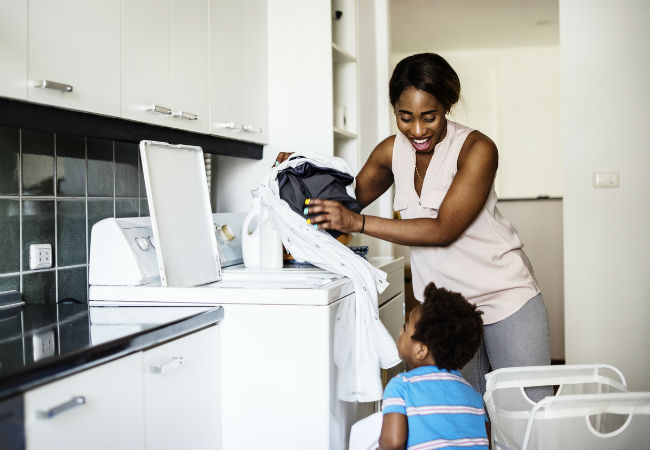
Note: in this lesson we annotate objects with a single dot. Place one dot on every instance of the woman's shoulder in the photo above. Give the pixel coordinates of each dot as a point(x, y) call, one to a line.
point(478, 145)
point(383, 152)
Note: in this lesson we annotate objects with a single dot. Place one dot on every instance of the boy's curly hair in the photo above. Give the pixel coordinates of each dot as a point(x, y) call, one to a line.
point(449, 326)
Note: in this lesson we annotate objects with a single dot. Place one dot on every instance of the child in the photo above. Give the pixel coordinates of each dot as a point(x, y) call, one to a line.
point(432, 406)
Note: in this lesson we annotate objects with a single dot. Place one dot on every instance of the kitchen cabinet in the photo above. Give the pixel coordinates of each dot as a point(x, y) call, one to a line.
point(238, 70)
point(345, 82)
point(181, 389)
point(164, 63)
point(13, 48)
point(146, 396)
point(74, 54)
point(100, 408)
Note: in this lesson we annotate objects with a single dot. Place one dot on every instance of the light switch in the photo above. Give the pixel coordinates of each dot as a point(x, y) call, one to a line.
point(606, 179)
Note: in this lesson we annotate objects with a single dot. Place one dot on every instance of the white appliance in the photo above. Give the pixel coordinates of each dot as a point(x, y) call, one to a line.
point(278, 370)
point(279, 380)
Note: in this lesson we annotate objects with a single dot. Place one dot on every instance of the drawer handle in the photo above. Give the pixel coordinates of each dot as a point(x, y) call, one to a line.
point(184, 115)
point(227, 125)
point(74, 402)
point(169, 365)
point(47, 84)
point(158, 109)
point(250, 129)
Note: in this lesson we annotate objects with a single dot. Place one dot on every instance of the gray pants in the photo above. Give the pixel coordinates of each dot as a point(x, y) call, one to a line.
point(521, 339)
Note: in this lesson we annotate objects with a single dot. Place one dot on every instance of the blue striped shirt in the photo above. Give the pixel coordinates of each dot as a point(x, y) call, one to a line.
point(442, 409)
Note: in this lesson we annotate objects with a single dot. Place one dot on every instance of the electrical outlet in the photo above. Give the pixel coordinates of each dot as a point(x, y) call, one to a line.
point(40, 256)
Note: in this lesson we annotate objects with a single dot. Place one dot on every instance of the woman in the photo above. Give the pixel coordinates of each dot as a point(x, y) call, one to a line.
point(444, 190)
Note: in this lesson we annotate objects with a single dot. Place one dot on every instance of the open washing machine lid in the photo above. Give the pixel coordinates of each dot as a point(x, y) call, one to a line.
point(181, 216)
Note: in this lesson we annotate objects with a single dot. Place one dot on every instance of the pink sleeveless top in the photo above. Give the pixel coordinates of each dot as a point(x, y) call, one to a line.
point(486, 263)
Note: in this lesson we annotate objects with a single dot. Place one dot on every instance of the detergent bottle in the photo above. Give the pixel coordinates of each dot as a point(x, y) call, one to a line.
point(261, 244)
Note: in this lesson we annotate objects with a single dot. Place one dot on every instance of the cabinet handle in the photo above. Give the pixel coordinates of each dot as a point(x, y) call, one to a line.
point(184, 115)
point(158, 109)
point(228, 125)
point(250, 129)
point(171, 364)
point(74, 402)
point(47, 84)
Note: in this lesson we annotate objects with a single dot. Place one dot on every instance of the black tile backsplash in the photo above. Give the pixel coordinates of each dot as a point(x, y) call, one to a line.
point(9, 161)
point(37, 150)
point(53, 189)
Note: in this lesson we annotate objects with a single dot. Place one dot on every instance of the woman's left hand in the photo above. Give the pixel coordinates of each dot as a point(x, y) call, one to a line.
point(332, 215)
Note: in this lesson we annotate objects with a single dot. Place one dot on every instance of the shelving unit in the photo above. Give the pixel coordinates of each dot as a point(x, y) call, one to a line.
point(345, 90)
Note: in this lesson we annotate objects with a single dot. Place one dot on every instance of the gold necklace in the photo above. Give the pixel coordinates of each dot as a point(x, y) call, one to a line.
point(415, 158)
point(417, 172)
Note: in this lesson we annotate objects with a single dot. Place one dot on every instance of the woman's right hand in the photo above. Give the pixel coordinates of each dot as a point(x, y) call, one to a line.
point(282, 157)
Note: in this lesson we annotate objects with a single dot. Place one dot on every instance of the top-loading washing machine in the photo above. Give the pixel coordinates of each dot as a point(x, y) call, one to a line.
point(278, 370)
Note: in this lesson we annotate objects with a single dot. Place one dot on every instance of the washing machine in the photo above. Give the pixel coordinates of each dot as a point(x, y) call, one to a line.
point(279, 378)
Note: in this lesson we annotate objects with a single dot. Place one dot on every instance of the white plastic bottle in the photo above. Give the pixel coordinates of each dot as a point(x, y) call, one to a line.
point(261, 244)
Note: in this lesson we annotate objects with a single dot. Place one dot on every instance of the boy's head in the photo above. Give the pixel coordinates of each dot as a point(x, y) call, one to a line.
point(445, 330)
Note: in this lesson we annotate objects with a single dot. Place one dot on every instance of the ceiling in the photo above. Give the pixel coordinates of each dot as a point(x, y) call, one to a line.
point(435, 25)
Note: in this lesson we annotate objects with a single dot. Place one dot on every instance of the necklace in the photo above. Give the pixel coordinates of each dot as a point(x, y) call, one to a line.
point(415, 159)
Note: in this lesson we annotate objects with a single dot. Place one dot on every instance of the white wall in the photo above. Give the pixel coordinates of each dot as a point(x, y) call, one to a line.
point(300, 98)
point(513, 96)
point(605, 57)
point(374, 111)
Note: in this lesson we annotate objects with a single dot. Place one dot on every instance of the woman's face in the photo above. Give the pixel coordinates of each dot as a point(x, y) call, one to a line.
point(421, 118)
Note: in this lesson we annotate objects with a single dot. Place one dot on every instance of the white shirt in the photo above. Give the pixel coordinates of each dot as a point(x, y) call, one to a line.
point(361, 342)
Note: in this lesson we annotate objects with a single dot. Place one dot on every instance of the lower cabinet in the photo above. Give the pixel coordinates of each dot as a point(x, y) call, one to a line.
point(164, 397)
point(182, 404)
point(100, 408)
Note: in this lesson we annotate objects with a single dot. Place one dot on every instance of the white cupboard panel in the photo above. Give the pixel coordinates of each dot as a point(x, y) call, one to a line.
point(145, 60)
point(238, 70)
point(13, 48)
point(76, 43)
point(111, 417)
point(182, 388)
point(189, 63)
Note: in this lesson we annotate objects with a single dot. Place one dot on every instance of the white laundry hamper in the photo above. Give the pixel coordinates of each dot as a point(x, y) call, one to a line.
point(590, 410)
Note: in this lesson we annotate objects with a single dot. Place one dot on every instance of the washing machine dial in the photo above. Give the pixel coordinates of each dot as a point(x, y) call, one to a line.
point(225, 233)
point(142, 242)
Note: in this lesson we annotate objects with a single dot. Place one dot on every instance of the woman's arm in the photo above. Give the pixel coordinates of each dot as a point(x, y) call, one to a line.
point(394, 432)
point(376, 175)
point(477, 165)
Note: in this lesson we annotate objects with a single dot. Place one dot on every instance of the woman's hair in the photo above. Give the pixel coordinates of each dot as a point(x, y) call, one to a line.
point(449, 326)
point(427, 72)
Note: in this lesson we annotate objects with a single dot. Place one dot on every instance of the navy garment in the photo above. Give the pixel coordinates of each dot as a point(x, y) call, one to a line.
point(306, 180)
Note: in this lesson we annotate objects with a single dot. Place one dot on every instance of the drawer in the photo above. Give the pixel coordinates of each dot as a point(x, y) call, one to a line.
point(396, 285)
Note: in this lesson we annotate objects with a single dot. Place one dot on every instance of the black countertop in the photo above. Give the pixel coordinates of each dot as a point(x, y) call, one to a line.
point(42, 343)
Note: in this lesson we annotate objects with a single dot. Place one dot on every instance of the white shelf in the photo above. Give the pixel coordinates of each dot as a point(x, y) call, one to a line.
point(340, 133)
point(339, 55)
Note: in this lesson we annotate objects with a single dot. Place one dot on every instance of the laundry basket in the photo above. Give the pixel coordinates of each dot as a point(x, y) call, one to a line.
point(509, 408)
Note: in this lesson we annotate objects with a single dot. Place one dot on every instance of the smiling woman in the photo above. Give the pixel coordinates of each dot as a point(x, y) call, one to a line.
point(443, 174)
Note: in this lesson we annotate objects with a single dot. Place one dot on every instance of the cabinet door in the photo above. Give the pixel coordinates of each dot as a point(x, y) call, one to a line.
point(182, 392)
point(100, 408)
point(189, 64)
point(13, 48)
point(238, 70)
point(75, 43)
point(145, 60)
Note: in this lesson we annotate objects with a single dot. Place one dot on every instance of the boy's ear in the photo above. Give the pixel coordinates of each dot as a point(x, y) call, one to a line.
point(421, 351)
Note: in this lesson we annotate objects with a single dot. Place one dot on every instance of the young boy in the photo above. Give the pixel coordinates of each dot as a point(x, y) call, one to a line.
point(432, 406)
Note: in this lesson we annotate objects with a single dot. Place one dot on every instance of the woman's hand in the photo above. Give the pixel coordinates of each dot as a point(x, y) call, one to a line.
point(282, 157)
point(332, 215)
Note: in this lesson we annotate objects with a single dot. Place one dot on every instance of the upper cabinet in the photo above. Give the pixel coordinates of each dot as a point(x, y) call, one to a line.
point(238, 70)
point(165, 63)
point(74, 54)
point(13, 48)
point(345, 81)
